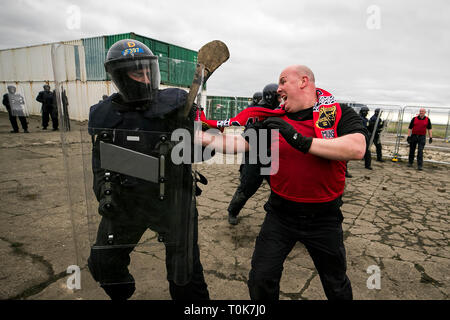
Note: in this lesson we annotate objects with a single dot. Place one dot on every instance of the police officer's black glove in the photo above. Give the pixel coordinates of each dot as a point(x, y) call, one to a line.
point(199, 178)
point(408, 139)
point(288, 132)
point(430, 140)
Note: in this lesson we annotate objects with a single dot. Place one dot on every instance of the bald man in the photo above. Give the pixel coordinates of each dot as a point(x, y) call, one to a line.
point(316, 136)
point(417, 135)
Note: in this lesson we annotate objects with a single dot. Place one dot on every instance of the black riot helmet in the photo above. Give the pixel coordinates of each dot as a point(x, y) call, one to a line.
point(270, 96)
point(134, 70)
point(364, 111)
point(257, 96)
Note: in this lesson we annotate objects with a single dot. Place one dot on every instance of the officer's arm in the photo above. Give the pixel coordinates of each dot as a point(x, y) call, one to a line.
point(39, 98)
point(349, 147)
point(223, 143)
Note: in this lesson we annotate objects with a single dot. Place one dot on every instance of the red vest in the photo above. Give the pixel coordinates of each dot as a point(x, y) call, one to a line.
point(420, 126)
point(304, 177)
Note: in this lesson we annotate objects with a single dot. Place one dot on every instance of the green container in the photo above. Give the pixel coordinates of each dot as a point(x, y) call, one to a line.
point(94, 50)
point(176, 64)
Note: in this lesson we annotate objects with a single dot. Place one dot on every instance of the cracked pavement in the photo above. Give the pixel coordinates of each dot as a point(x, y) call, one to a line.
point(395, 218)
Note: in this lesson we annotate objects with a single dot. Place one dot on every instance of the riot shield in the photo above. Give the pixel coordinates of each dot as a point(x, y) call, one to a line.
point(138, 188)
point(17, 101)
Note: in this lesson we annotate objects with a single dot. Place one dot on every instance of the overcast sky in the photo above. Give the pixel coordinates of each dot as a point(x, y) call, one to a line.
point(368, 51)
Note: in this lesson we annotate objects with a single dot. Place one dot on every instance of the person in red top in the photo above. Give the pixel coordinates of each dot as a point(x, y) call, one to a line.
point(418, 127)
point(316, 136)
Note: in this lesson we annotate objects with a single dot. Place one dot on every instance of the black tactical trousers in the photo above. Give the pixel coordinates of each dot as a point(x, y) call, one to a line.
point(250, 181)
point(15, 126)
point(46, 118)
point(110, 266)
point(417, 140)
point(367, 158)
point(377, 143)
point(322, 235)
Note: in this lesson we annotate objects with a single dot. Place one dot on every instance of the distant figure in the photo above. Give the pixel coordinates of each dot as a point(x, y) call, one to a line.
point(15, 105)
point(376, 132)
point(47, 98)
point(418, 126)
point(249, 173)
point(367, 156)
point(257, 97)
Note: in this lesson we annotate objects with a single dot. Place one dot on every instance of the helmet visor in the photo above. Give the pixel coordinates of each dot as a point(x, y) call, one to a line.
point(137, 79)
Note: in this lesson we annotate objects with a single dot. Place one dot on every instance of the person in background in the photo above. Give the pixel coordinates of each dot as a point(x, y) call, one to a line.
point(417, 135)
point(48, 110)
point(363, 112)
point(250, 173)
point(14, 104)
point(375, 129)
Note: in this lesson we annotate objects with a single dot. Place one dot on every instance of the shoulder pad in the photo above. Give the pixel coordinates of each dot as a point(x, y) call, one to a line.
point(166, 101)
point(103, 115)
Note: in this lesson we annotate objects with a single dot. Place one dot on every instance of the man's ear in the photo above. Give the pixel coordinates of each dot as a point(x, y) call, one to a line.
point(303, 82)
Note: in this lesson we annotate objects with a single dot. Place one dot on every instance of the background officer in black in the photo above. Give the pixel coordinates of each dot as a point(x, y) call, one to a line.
point(257, 97)
point(49, 109)
point(13, 118)
point(375, 130)
point(128, 205)
point(250, 174)
point(363, 112)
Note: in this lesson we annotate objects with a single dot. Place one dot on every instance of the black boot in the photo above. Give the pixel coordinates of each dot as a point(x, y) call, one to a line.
point(232, 219)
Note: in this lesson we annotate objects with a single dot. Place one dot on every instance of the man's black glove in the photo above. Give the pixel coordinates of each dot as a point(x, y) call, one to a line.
point(430, 140)
point(288, 132)
point(408, 139)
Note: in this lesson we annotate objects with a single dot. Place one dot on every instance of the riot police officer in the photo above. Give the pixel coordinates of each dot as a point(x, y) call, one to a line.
point(270, 98)
point(49, 109)
point(363, 112)
point(141, 117)
point(257, 97)
point(250, 174)
point(375, 130)
point(9, 97)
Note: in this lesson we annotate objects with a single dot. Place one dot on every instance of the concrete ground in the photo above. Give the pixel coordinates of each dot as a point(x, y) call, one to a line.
point(396, 219)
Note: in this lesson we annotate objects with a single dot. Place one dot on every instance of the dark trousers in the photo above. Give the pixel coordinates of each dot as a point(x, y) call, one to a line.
point(46, 115)
point(367, 158)
point(109, 266)
point(417, 140)
point(322, 236)
point(15, 126)
point(250, 181)
point(377, 143)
